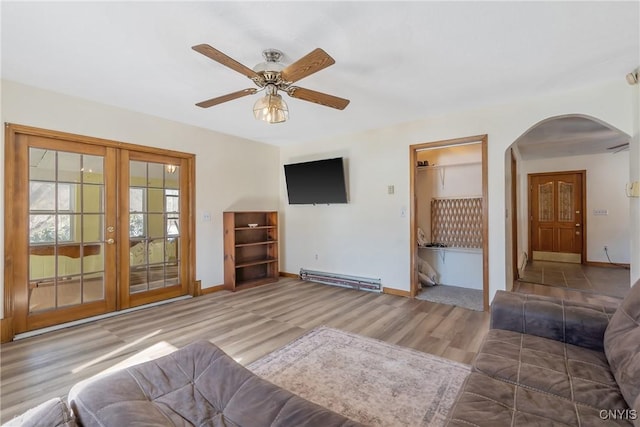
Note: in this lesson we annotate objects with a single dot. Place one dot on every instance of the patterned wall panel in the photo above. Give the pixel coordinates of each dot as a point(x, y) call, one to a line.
point(457, 222)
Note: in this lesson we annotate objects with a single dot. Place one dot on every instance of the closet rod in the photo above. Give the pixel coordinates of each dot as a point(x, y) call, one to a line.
point(456, 197)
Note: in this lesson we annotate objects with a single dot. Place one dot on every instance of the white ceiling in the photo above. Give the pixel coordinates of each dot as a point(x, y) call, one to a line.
point(570, 136)
point(395, 61)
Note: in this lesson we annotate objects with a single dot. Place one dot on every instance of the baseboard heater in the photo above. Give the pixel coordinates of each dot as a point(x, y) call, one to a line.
point(343, 280)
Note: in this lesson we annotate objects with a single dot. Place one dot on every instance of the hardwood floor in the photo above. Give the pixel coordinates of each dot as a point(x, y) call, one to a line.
point(246, 324)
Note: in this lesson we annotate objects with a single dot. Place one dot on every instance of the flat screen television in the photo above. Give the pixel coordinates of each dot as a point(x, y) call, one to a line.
point(317, 182)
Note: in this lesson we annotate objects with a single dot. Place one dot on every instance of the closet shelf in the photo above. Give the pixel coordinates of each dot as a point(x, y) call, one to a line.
point(420, 168)
point(265, 242)
point(452, 249)
point(259, 227)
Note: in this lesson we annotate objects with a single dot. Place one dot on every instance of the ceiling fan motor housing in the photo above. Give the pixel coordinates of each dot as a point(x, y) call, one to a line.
point(269, 71)
point(271, 61)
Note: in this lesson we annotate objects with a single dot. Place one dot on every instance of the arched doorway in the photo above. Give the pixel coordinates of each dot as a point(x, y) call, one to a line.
point(537, 161)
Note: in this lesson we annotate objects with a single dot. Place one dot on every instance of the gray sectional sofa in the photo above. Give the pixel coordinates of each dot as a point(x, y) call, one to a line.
point(548, 361)
point(197, 385)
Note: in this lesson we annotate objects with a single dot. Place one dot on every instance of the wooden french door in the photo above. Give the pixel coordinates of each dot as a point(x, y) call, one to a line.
point(557, 226)
point(91, 227)
point(63, 256)
point(152, 236)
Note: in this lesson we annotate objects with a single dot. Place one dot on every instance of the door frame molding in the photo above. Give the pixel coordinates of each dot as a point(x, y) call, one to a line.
point(413, 223)
point(583, 174)
point(12, 173)
point(514, 217)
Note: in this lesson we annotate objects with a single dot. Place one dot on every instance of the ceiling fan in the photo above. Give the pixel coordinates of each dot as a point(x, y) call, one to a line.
point(273, 76)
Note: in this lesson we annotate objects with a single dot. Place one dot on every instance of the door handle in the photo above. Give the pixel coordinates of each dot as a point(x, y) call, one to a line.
point(577, 225)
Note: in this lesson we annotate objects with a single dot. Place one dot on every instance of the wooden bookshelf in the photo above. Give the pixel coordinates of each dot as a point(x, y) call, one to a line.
point(250, 253)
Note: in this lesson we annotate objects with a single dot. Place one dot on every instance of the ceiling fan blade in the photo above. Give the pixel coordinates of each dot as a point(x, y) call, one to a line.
point(318, 97)
point(228, 97)
point(314, 61)
point(223, 59)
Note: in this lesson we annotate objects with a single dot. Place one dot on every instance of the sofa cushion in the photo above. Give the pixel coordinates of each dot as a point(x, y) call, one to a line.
point(568, 321)
point(622, 346)
point(489, 402)
point(574, 373)
point(197, 385)
point(52, 413)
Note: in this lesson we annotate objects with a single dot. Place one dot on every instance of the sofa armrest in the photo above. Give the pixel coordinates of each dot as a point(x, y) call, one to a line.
point(561, 320)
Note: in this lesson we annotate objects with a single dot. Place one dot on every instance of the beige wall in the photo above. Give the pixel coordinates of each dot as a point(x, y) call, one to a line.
point(231, 173)
point(370, 235)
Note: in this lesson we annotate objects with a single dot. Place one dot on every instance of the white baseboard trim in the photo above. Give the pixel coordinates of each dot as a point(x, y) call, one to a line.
point(94, 318)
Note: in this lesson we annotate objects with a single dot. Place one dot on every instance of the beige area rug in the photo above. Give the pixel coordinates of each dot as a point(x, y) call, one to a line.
point(367, 380)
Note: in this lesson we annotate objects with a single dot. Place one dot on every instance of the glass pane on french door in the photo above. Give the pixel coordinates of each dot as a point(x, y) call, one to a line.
point(154, 226)
point(66, 206)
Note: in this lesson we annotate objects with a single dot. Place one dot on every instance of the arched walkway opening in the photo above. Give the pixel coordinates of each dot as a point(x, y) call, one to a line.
point(568, 212)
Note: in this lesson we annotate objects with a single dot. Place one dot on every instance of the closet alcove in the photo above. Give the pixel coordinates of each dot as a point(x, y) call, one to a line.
point(449, 219)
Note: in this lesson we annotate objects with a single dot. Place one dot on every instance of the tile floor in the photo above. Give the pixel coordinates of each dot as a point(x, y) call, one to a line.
point(612, 281)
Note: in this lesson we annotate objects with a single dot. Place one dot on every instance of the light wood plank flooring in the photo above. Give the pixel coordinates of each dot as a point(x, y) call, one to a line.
point(247, 325)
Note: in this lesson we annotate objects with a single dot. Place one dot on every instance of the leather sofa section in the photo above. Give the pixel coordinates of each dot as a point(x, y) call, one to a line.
point(551, 367)
point(622, 347)
point(561, 320)
point(196, 385)
point(548, 361)
point(488, 402)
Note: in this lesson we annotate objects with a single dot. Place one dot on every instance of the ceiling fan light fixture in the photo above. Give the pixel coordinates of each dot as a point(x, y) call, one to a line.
point(271, 108)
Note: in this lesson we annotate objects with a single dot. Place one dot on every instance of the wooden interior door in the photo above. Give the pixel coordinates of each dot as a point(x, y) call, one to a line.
point(556, 206)
point(62, 254)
